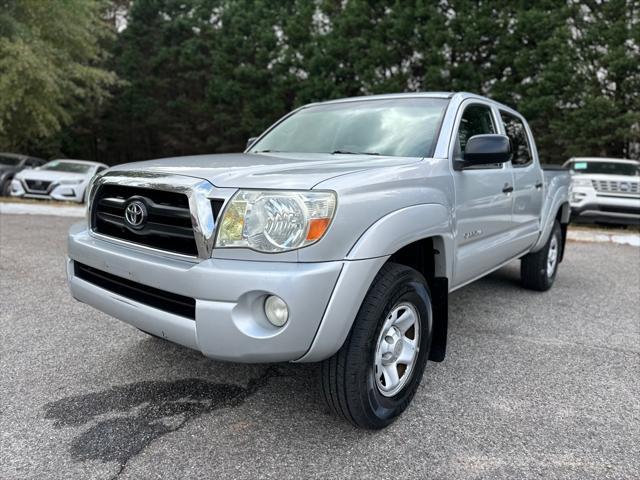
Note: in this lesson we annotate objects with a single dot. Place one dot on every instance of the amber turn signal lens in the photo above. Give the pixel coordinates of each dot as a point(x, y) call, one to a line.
point(317, 227)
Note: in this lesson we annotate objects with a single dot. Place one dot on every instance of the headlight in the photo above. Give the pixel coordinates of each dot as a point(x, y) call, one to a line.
point(580, 182)
point(275, 221)
point(70, 182)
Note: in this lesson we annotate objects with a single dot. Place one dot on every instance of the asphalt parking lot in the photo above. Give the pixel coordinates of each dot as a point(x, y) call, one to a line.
point(534, 386)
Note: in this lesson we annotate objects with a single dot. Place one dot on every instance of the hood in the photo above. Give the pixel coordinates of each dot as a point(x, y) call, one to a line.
point(251, 170)
point(50, 175)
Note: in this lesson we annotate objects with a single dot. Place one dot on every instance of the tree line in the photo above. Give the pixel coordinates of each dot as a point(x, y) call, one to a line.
point(122, 80)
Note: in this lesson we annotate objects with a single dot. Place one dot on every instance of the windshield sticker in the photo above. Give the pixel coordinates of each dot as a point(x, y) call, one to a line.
point(580, 166)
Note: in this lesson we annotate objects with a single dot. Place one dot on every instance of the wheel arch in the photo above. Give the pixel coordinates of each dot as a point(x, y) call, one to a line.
point(557, 208)
point(425, 245)
point(409, 226)
point(401, 237)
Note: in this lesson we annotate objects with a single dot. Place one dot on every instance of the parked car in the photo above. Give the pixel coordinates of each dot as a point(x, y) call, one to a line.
point(12, 163)
point(336, 237)
point(605, 190)
point(57, 180)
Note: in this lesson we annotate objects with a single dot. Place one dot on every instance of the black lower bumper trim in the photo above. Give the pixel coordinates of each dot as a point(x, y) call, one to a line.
point(153, 297)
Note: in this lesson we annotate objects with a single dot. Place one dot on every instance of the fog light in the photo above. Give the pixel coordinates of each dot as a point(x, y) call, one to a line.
point(276, 310)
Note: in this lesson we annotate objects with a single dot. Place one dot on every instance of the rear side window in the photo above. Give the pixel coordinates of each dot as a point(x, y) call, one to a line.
point(476, 120)
point(517, 134)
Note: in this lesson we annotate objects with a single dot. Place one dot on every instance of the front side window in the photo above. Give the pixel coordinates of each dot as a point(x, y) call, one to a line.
point(62, 166)
point(514, 128)
point(476, 120)
point(402, 127)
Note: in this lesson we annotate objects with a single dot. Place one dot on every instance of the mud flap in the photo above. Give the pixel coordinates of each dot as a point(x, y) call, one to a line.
point(440, 306)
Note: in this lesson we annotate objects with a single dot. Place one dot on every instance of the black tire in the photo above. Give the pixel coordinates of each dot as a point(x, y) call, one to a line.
point(535, 271)
point(5, 189)
point(348, 379)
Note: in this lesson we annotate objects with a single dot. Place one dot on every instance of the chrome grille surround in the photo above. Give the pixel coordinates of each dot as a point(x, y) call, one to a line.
point(199, 193)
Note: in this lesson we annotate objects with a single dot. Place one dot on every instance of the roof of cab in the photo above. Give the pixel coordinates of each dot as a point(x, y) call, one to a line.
point(390, 96)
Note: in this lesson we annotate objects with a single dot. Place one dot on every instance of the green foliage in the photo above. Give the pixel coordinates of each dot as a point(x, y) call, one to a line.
point(602, 117)
point(48, 56)
point(204, 75)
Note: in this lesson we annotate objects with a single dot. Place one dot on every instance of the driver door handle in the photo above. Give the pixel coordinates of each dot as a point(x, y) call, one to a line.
point(507, 188)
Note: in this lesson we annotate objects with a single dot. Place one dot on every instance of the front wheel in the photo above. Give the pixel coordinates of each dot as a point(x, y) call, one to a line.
point(538, 270)
point(5, 188)
point(372, 379)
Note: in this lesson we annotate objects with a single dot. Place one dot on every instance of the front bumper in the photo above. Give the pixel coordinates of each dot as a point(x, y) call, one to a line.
point(587, 204)
point(230, 323)
point(68, 193)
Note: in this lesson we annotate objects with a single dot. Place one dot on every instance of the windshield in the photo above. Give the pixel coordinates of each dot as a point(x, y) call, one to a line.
point(9, 161)
point(406, 127)
point(61, 166)
point(611, 168)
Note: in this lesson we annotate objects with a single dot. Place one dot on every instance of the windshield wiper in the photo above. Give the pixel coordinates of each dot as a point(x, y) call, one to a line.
point(268, 150)
point(345, 152)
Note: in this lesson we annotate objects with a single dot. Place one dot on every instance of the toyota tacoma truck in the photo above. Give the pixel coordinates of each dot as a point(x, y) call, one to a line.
point(335, 237)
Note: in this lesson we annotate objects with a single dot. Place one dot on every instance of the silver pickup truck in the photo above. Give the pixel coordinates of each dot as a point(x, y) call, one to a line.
point(336, 237)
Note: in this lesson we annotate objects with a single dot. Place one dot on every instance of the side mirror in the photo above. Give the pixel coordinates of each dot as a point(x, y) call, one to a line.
point(485, 150)
point(251, 141)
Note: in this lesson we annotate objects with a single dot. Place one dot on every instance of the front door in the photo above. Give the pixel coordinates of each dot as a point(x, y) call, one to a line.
point(483, 201)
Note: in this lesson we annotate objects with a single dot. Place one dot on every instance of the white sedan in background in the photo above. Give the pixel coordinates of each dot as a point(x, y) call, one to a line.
point(57, 180)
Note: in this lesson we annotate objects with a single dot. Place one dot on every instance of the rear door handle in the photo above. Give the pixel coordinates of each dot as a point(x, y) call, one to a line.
point(539, 185)
point(507, 189)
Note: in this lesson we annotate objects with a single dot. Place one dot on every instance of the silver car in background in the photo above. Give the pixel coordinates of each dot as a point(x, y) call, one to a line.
point(605, 190)
point(56, 180)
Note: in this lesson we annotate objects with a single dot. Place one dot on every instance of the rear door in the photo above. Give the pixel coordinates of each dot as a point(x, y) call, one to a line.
point(528, 181)
point(483, 199)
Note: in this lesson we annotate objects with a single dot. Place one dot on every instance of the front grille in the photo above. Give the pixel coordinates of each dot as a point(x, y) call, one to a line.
point(615, 186)
point(153, 297)
point(38, 185)
point(168, 224)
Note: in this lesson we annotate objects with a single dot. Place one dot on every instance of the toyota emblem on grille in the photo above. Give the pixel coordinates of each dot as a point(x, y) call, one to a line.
point(135, 214)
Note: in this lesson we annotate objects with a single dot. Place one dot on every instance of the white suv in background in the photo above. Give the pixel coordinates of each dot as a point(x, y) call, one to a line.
point(605, 190)
point(57, 180)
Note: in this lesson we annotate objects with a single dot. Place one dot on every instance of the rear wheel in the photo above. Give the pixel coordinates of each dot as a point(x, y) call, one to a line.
point(373, 377)
point(538, 270)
